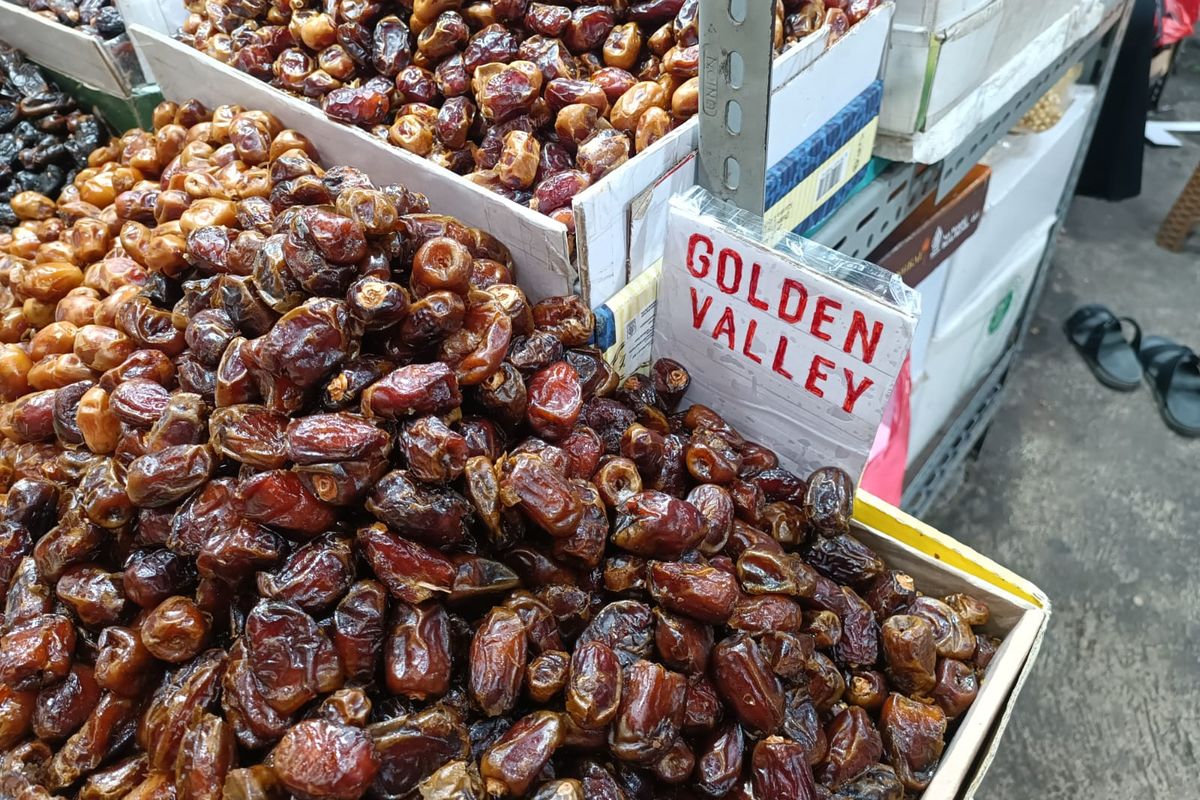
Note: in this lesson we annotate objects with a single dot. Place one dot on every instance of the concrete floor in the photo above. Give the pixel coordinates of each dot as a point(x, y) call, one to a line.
point(1087, 493)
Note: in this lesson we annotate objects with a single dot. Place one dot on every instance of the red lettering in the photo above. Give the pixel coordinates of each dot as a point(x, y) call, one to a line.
point(790, 286)
point(723, 260)
point(746, 351)
point(780, 354)
point(820, 317)
point(699, 312)
point(725, 327)
point(815, 374)
point(696, 240)
point(754, 299)
point(858, 328)
point(854, 392)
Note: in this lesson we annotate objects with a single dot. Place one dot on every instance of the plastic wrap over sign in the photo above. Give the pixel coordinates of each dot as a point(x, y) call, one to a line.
point(797, 345)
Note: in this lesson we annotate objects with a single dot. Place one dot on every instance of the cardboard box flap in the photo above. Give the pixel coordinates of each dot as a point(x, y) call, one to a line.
point(797, 344)
point(110, 66)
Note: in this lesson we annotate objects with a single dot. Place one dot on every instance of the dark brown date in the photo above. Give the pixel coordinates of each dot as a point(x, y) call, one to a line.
point(510, 766)
point(694, 590)
point(497, 661)
point(744, 678)
point(829, 501)
point(779, 768)
point(651, 713)
point(594, 686)
point(319, 758)
point(657, 525)
point(417, 658)
point(913, 739)
point(910, 653)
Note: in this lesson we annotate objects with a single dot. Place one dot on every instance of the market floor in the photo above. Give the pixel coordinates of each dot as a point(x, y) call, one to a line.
point(1086, 492)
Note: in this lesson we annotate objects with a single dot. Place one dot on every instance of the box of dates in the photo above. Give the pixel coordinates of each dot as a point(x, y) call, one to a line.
point(1018, 615)
point(303, 497)
point(557, 118)
point(104, 60)
point(800, 346)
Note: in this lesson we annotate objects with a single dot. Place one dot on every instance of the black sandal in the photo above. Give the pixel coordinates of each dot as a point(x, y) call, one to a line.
point(1096, 333)
point(1173, 372)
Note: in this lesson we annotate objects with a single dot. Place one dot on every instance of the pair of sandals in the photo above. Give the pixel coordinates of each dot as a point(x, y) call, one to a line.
point(1172, 370)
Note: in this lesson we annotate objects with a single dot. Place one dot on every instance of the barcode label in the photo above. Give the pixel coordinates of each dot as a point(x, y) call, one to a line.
point(832, 176)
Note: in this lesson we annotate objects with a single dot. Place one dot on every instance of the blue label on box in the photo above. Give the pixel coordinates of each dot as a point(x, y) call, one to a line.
point(816, 151)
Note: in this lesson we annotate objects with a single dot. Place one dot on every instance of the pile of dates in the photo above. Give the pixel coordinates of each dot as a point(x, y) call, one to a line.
point(533, 100)
point(44, 138)
point(304, 498)
point(97, 17)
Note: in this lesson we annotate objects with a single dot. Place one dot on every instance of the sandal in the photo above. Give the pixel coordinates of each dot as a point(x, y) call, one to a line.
point(1173, 372)
point(1097, 334)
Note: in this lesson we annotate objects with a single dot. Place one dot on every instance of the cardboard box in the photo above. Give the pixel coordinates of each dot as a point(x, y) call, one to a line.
point(813, 180)
point(110, 66)
point(813, 80)
point(940, 565)
point(929, 69)
point(625, 324)
point(939, 135)
point(931, 288)
point(969, 341)
point(935, 231)
point(1029, 173)
point(1020, 613)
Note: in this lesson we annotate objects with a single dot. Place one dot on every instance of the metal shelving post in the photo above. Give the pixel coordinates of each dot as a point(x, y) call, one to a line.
point(735, 99)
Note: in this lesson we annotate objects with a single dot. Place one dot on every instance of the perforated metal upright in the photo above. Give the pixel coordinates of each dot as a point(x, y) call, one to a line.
point(735, 99)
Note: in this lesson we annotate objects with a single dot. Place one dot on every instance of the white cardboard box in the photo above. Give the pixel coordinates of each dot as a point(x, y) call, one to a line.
point(938, 138)
point(813, 81)
point(929, 69)
point(971, 340)
point(110, 66)
point(1019, 614)
point(935, 14)
point(931, 290)
point(940, 566)
point(1029, 173)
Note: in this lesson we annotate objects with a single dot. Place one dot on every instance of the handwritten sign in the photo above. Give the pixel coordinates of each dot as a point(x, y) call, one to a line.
point(793, 357)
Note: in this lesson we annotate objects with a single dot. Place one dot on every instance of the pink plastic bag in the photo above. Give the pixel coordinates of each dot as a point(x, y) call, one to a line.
point(1178, 20)
point(884, 474)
